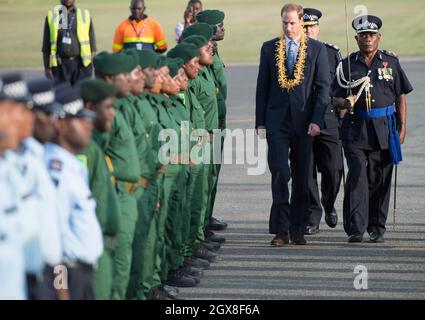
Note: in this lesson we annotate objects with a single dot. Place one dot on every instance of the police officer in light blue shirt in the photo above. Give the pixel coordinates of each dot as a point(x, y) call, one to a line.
point(12, 262)
point(32, 181)
point(32, 155)
point(80, 230)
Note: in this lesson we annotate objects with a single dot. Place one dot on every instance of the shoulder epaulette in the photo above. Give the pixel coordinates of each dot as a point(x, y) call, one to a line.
point(330, 45)
point(390, 53)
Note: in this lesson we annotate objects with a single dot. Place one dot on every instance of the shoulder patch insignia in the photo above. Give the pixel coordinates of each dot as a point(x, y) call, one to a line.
point(331, 45)
point(390, 53)
point(55, 165)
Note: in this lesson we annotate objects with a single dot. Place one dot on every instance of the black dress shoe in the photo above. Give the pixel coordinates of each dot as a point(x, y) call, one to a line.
point(197, 262)
point(192, 271)
point(376, 237)
point(199, 251)
point(172, 292)
point(298, 240)
point(280, 240)
point(158, 293)
point(310, 230)
point(216, 245)
point(179, 279)
point(170, 289)
point(331, 218)
point(211, 246)
point(355, 238)
point(216, 224)
point(211, 236)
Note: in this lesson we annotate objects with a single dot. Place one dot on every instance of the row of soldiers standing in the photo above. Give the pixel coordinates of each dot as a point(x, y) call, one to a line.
point(100, 142)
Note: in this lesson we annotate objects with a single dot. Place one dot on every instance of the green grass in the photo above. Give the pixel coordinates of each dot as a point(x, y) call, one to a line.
point(248, 23)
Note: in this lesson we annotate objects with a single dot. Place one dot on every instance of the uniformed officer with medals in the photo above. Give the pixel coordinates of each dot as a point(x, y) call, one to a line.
point(373, 129)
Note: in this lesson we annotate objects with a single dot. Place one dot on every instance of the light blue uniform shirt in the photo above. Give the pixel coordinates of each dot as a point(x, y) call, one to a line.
point(24, 178)
point(48, 215)
point(81, 234)
point(12, 263)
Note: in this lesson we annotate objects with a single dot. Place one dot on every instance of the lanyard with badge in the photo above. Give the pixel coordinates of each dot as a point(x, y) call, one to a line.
point(139, 46)
point(67, 37)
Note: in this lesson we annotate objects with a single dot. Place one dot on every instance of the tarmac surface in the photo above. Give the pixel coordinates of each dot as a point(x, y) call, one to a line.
point(324, 268)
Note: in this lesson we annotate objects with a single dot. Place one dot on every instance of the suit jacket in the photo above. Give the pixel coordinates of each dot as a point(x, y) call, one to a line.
point(307, 102)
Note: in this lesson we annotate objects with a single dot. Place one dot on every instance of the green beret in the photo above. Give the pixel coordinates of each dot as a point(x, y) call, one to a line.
point(147, 58)
point(114, 63)
point(95, 90)
point(174, 64)
point(212, 17)
point(198, 41)
point(161, 61)
point(184, 51)
point(199, 29)
point(133, 54)
point(144, 58)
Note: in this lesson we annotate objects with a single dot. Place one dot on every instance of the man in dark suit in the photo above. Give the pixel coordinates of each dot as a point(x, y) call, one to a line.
point(292, 96)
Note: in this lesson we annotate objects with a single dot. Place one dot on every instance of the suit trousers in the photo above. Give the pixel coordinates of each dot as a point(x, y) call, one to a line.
point(284, 146)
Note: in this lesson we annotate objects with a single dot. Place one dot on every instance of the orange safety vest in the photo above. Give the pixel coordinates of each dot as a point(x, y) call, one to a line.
point(145, 34)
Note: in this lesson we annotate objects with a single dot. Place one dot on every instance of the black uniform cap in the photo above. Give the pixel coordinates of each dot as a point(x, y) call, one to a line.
point(367, 23)
point(43, 96)
point(72, 105)
point(13, 87)
point(311, 16)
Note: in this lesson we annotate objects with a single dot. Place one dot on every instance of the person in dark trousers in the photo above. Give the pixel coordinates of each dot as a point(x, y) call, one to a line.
point(291, 100)
point(372, 131)
point(69, 43)
point(327, 152)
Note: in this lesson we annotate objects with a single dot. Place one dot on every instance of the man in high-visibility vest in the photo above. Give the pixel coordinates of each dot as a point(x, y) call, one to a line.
point(139, 31)
point(69, 43)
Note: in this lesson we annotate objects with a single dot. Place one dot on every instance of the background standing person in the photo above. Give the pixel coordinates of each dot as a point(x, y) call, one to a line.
point(215, 18)
point(327, 153)
point(189, 17)
point(139, 31)
point(68, 50)
point(80, 230)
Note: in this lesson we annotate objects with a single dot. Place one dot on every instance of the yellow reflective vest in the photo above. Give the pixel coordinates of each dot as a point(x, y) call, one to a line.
point(83, 35)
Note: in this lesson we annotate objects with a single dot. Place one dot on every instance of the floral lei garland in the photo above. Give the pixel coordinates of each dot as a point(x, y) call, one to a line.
point(284, 82)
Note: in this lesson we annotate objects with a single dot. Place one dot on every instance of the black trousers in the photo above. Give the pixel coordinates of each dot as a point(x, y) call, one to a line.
point(72, 71)
point(284, 146)
point(41, 289)
point(367, 190)
point(326, 159)
point(80, 282)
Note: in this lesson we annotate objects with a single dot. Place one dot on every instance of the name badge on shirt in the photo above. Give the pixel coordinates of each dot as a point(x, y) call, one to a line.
point(66, 40)
point(139, 46)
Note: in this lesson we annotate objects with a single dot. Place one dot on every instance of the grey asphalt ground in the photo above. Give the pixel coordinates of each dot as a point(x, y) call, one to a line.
point(323, 269)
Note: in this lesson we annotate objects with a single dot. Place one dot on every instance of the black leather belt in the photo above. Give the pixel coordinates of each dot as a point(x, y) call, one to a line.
point(80, 266)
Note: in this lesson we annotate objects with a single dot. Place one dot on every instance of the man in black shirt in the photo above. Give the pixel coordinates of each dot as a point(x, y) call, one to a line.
point(69, 43)
point(370, 134)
